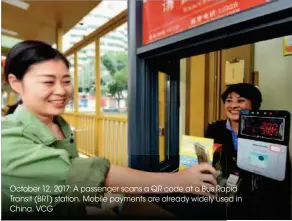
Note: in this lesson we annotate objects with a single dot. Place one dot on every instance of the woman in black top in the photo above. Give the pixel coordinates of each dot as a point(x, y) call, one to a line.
point(262, 198)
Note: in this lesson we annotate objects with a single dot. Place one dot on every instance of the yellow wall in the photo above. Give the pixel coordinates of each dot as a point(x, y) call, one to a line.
point(183, 98)
point(212, 88)
point(161, 110)
point(197, 96)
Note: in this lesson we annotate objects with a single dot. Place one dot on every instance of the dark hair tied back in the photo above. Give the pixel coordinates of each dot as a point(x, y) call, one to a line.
point(27, 53)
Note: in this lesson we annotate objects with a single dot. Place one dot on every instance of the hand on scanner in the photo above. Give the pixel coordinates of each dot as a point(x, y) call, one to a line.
point(197, 176)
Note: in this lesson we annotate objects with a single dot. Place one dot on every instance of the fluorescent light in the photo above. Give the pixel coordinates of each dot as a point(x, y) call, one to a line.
point(17, 3)
point(6, 31)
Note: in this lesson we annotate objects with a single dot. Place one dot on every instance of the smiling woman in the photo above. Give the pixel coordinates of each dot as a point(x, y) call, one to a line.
point(235, 98)
point(45, 88)
point(240, 97)
point(38, 151)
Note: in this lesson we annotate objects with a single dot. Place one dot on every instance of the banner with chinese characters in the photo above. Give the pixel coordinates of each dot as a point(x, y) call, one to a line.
point(163, 18)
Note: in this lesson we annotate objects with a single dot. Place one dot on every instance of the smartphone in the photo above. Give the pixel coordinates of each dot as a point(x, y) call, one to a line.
point(201, 153)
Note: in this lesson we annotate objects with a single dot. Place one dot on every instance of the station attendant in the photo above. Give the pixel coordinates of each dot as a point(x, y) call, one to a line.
point(262, 198)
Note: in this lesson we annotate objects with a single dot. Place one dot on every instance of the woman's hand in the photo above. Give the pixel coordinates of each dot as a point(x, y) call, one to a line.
point(201, 177)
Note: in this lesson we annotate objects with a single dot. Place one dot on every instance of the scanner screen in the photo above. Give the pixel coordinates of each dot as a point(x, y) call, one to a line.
point(263, 127)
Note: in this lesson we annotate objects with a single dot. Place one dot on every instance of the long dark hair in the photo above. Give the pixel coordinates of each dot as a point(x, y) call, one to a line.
point(12, 108)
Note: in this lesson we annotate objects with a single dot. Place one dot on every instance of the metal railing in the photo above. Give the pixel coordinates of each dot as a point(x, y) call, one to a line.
point(103, 136)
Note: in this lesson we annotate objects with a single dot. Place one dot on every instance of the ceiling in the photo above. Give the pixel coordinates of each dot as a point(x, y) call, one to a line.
point(41, 19)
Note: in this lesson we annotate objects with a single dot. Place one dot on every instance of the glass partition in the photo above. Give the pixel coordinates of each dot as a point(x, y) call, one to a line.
point(70, 105)
point(114, 71)
point(86, 79)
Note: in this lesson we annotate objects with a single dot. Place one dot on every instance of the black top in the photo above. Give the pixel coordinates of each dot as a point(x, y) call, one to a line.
point(271, 199)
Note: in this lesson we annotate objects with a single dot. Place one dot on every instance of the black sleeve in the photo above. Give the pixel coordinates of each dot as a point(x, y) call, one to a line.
point(209, 133)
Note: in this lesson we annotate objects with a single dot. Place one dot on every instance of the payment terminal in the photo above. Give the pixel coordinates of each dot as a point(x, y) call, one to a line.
point(263, 141)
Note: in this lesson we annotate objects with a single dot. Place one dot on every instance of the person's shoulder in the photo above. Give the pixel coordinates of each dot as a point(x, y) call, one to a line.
point(13, 137)
point(15, 131)
point(10, 124)
point(215, 128)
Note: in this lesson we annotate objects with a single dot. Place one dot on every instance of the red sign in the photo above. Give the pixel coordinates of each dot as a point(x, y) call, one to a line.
point(163, 18)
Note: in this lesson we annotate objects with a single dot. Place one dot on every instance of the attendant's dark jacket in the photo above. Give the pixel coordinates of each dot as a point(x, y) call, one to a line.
point(270, 200)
